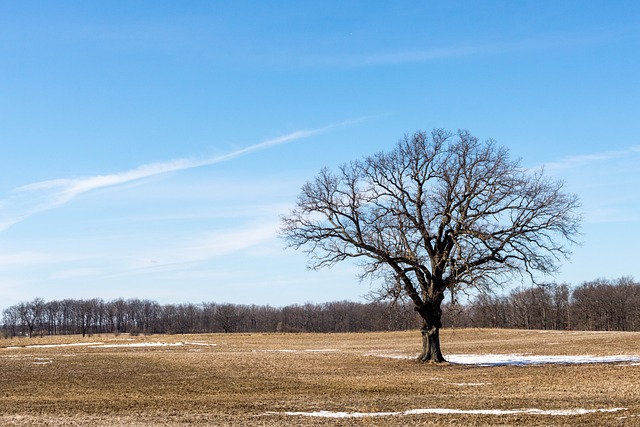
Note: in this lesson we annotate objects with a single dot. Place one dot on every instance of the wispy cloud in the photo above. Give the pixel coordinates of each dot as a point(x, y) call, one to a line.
point(206, 247)
point(404, 55)
point(27, 200)
point(74, 273)
point(17, 260)
point(607, 183)
point(586, 159)
point(176, 256)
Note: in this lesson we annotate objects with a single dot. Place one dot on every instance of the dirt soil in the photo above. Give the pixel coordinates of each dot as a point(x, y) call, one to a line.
point(258, 379)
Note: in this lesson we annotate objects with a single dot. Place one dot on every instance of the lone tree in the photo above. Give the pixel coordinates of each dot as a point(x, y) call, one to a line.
point(438, 212)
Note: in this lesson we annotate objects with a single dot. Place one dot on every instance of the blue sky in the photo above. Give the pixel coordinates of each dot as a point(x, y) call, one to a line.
point(148, 148)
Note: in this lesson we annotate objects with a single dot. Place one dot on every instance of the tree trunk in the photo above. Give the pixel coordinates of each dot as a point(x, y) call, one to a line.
point(431, 352)
point(431, 323)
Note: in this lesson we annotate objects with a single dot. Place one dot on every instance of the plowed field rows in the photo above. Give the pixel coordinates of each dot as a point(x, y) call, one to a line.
point(321, 379)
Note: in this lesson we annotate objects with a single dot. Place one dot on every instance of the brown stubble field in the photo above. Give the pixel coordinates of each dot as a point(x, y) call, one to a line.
point(255, 379)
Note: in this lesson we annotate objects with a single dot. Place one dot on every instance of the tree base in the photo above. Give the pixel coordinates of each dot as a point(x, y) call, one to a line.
point(424, 359)
point(431, 352)
point(432, 362)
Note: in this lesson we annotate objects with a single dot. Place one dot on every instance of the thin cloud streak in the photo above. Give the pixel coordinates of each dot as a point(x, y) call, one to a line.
point(606, 182)
point(179, 256)
point(215, 244)
point(31, 199)
point(583, 159)
point(185, 256)
point(18, 260)
point(411, 56)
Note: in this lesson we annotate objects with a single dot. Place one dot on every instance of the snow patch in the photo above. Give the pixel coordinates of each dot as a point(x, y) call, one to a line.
point(389, 355)
point(77, 344)
point(518, 359)
point(522, 360)
point(100, 344)
point(201, 343)
point(445, 411)
point(469, 384)
point(322, 350)
point(139, 344)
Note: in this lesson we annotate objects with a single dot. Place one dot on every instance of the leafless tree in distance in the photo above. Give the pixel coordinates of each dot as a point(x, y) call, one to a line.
point(440, 211)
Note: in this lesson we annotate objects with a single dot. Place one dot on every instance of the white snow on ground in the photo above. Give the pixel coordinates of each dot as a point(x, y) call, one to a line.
point(469, 384)
point(322, 350)
point(101, 344)
point(390, 355)
point(77, 344)
point(201, 343)
point(518, 359)
point(445, 411)
point(139, 344)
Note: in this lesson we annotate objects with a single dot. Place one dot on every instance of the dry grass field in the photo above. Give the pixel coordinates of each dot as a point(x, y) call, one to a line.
point(284, 379)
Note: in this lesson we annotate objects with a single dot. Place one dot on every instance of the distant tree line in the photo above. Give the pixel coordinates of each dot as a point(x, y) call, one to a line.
point(601, 305)
point(95, 316)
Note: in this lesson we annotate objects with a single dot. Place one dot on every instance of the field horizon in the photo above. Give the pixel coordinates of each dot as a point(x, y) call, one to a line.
point(494, 378)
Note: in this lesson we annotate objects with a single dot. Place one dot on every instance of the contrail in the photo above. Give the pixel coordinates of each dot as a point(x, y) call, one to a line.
point(37, 197)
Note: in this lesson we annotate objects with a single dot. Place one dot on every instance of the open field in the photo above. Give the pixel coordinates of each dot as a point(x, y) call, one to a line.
point(322, 379)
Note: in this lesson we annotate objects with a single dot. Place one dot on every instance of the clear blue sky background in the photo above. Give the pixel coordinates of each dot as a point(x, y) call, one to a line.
point(148, 148)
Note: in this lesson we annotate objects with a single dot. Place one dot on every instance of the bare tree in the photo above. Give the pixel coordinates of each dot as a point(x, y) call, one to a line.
point(226, 317)
point(31, 314)
point(491, 311)
point(10, 317)
point(561, 315)
point(83, 311)
point(438, 212)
